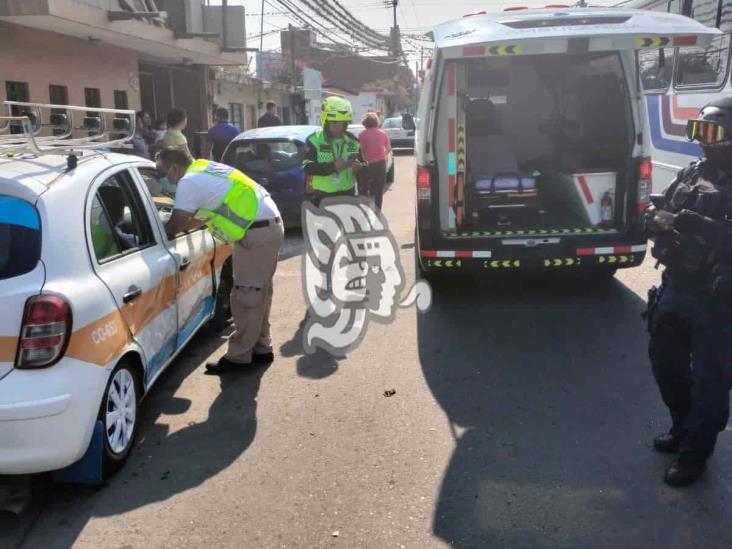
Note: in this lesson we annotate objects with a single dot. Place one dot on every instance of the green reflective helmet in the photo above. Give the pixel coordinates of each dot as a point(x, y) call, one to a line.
point(336, 109)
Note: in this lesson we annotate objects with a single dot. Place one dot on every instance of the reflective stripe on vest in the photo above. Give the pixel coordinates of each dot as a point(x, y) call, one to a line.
point(335, 182)
point(230, 220)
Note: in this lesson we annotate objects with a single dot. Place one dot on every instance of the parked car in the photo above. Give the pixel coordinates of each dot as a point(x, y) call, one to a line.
point(97, 302)
point(356, 130)
point(400, 130)
point(273, 157)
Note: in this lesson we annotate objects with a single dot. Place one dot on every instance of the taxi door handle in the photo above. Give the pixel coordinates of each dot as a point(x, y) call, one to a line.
point(133, 292)
point(185, 262)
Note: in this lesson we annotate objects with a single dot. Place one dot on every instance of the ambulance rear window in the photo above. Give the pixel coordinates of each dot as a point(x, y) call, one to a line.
point(20, 237)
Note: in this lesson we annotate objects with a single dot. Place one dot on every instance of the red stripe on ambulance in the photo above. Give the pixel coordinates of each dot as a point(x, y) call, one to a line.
point(612, 250)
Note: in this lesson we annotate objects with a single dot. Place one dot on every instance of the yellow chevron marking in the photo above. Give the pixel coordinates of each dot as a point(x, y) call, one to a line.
point(512, 49)
point(653, 42)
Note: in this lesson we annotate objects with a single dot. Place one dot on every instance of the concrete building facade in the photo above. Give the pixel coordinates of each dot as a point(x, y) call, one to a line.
point(102, 53)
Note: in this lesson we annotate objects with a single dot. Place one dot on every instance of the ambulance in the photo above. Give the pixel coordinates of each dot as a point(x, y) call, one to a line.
point(532, 148)
point(96, 299)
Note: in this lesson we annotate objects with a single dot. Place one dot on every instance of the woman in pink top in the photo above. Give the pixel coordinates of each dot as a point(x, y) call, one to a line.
point(375, 148)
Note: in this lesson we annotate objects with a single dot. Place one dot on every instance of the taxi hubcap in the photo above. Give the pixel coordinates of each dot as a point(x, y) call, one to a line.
point(121, 411)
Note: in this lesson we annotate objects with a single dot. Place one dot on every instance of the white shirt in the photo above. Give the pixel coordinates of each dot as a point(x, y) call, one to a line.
point(203, 190)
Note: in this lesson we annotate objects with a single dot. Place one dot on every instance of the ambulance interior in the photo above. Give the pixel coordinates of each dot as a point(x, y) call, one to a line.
point(548, 141)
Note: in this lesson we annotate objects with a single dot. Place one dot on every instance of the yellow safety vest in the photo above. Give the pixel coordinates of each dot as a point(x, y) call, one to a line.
point(238, 209)
point(327, 151)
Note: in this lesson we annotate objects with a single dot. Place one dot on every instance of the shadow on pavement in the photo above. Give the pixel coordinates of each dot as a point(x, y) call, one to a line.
point(293, 244)
point(549, 392)
point(317, 365)
point(162, 464)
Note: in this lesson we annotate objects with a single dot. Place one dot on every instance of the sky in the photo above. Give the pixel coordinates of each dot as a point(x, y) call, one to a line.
point(415, 17)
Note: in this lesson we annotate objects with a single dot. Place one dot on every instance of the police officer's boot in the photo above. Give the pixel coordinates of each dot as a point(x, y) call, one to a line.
point(667, 443)
point(685, 471)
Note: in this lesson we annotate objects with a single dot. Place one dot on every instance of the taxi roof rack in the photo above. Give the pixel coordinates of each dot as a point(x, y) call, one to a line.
point(25, 129)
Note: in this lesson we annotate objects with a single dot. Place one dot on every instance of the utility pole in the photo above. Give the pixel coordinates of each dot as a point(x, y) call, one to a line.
point(293, 75)
point(395, 36)
point(261, 31)
point(224, 9)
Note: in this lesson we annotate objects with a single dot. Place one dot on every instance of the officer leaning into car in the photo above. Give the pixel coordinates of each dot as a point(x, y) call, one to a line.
point(333, 155)
point(237, 210)
point(690, 315)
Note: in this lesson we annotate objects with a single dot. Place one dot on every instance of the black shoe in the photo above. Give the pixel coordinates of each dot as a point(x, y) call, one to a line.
point(225, 364)
point(667, 443)
point(263, 358)
point(683, 472)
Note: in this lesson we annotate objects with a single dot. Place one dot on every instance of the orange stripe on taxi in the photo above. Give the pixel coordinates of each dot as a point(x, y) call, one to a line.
point(8, 348)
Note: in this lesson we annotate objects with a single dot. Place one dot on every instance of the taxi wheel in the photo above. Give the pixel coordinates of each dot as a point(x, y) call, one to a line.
point(119, 413)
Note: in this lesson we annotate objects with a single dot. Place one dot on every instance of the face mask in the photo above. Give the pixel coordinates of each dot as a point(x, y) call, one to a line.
point(720, 156)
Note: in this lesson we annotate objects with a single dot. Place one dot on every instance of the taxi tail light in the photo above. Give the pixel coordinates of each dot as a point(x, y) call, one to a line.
point(645, 187)
point(45, 332)
point(424, 188)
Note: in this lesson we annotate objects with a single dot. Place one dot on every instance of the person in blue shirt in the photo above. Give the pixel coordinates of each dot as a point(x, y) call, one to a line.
point(220, 135)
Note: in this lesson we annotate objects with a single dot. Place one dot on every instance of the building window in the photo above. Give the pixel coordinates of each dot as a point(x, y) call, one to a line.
point(92, 98)
point(16, 91)
point(251, 116)
point(120, 100)
point(58, 95)
point(236, 114)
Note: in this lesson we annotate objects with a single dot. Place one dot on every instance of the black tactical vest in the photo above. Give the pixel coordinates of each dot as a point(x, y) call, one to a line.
point(702, 189)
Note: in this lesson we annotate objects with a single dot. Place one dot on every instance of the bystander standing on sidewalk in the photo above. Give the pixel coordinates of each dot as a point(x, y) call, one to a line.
point(177, 121)
point(269, 118)
point(375, 148)
point(220, 135)
point(142, 138)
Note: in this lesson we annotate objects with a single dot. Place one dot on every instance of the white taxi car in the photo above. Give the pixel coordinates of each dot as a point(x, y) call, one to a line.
point(97, 300)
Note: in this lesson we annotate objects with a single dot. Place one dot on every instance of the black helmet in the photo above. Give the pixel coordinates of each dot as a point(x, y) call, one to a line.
point(713, 130)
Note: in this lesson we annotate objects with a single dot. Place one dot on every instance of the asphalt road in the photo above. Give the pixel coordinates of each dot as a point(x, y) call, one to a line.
point(522, 419)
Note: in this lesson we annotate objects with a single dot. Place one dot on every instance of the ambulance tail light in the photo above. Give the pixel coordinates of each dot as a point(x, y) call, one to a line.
point(645, 187)
point(424, 187)
point(45, 332)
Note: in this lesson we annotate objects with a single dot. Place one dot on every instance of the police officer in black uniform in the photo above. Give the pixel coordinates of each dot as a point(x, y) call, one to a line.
point(690, 315)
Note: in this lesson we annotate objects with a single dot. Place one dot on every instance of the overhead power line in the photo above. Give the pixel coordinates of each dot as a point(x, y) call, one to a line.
point(353, 21)
point(328, 14)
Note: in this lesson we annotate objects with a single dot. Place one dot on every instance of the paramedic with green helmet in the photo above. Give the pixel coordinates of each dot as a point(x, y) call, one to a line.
point(238, 211)
point(333, 154)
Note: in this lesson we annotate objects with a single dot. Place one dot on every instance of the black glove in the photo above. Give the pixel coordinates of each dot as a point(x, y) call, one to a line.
point(688, 222)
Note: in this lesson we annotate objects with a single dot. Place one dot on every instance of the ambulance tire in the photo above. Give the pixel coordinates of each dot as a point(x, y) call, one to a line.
point(123, 388)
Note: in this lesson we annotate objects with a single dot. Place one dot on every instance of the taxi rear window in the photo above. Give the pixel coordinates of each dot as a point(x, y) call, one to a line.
point(20, 237)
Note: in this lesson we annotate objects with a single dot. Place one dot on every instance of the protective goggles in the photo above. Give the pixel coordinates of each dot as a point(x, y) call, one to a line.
point(339, 114)
point(707, 133)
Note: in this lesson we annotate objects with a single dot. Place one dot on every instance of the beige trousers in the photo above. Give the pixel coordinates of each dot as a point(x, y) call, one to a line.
point(254, 261)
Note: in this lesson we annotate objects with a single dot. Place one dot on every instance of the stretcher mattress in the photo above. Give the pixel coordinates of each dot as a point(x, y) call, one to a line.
point(504, 184)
